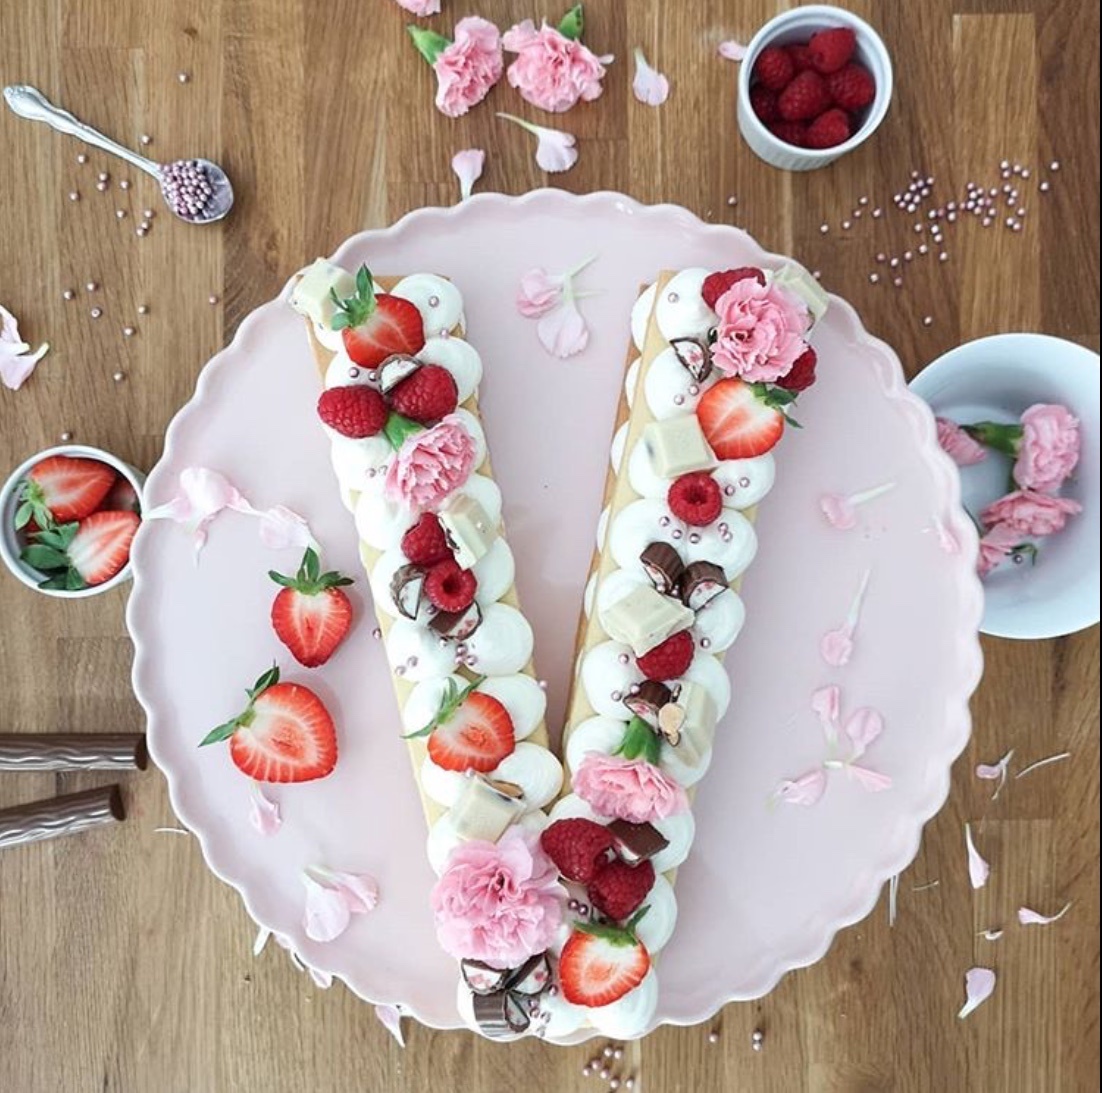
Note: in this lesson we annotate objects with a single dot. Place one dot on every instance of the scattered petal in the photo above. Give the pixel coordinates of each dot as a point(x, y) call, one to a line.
point(995, 772)
point(862, 727)
point(562, 331)
point(201, 496)
point(650, 86)
point(978, 985)
point(1043, 763)
point(390, 1017)
point(978, 869)
point(1028, 917)
point(280, 527)
point(421, 7)
point(826, 703)
point(468, 166)
point(927, 886)
point(264, 814)
point(262, 937)
point(556, 149)
point(17, 361)
point(991, 934)
point(332, 898)
point(871, 780)
point(731, 50)
point(804, 790)
point(539, 292)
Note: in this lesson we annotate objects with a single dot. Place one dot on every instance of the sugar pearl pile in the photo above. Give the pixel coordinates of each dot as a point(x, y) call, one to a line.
point(186, 187)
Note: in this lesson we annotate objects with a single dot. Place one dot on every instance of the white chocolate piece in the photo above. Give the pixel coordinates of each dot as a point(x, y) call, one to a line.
point(468, 528)
point(677, 446)
point(799, 282)
point(698, 729)
point(643, 618)
point(483, 812)
point(310, 296)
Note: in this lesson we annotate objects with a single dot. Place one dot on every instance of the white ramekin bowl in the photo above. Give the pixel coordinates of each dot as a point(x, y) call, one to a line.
point(995, 379)
point(798, 25)
point(9, 502)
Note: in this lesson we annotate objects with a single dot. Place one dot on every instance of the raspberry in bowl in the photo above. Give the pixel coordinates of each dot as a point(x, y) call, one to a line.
point(815, 83)
point(68, 516)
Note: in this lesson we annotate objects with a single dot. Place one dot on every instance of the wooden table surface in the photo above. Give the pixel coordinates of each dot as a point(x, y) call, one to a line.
point(124, 965)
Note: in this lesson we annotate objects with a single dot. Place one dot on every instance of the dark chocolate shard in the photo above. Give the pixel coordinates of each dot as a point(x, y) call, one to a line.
point(532, 976)
point(701, 583)
point(501, 1015)
point(394, 369)
point(648, 700)
point(459, 625)
point(405, 589)
point(506, 789)
point(635, 843)
point(664, 567)
point(481, 978)
point(694, 357)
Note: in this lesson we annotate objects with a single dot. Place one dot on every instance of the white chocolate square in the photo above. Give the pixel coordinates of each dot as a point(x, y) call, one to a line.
point(677, 446)
point(644, 618)
point(468, 528)
point(481, 812)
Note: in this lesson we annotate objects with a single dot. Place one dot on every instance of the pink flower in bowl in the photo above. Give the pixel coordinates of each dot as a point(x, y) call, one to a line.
point(962, 449)
point(552, 71)
point(498, 902)
point(430, 464)
point(1049, 448)
point(760, 331)
point(628, 789)
point(997, 544)
point(1030, 513)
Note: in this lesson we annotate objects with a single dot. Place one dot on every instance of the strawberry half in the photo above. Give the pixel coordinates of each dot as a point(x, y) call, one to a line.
point(62, 488)
point(376, 327)
point(79, 554)
point(599, 964)
point(471, 730)
point(736, 422)
point(285, 734)
point(311, 615)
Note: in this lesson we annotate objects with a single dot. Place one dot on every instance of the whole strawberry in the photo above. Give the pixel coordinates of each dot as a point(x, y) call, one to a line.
point(311, 614)
point(426, 396)
point(617, 889)
point(804, 98)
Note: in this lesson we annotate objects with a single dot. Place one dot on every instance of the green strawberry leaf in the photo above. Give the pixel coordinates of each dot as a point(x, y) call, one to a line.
point(23, 515)
point(73, 580)
point(44, 558)
point(263, 683)
point(452, 699)
point(223, 732)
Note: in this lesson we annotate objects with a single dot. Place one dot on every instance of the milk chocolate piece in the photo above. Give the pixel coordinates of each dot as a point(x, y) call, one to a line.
point(635, 843)
point(459, 625)
point(676, 446)
point(532, 976)
point(406, 587)
point(649, 700)
point(664, 567)
point(501, 1015)
point(58, 816)
point(481, 978)
point(702, 582)
point(694, 357)
point(643, 618)
point(698, 727)
point(73, 751)
point(484, 811)
point(467, 527)
point(394, 369)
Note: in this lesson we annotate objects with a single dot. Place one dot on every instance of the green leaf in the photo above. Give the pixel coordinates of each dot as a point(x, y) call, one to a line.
point(223, 732)
point(429, 44)
point(73, 580)
point(399, 429)
point(452, 699)
point(264, 682)
point(44, 558)
point(23, 515)
point(1002, 438)
point(640, 741)
point(58, 580)
point(58, 537)
point(573, 24)
point(311, 566)
point(279, 578)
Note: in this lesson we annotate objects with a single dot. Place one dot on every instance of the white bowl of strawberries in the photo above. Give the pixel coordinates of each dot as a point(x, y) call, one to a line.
point(68, 516)
point(814, 84)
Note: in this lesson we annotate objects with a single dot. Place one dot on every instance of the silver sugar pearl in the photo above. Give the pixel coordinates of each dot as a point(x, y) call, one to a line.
point(102, 187)
point(143, 309)
point(96, 312)
point(623, 658)
point(74, 195)
point(82, 158)
point(744, 481)
point(434, 301)
point(673, 297)
point(68, 294)
point(118, 377)
point(120, 214)
point(124, 184)
point(128, 332)
point(182, 77)
point(65, 437)
point(103, 176)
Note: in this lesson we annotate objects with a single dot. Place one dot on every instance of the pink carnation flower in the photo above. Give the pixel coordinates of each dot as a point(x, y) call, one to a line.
point(498, 902)
point(430, 464)
point(468, 67)
point(421, 7)
point(760, 331)
point(997, 544)
point(538, 293)
point(1030, 513)
point(958, 445)
point(1049, 448)
point(552, 71)
point(628, 789)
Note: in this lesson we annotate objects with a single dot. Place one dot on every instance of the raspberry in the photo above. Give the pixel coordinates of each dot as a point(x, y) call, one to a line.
point(764, 103)
point(425, 543)
point(805, 97)
point(829, 130)
point(695, 498)
point(852, 87)
point(668, 660)
point(801, 56)
point(716, 284)
point(802, 373)
point(355, 411)
point(791, 132)
point(773, 68)
point(617, 888)
point(426, 396)
point(578, 847)
point(450, 588)
point(831, 49)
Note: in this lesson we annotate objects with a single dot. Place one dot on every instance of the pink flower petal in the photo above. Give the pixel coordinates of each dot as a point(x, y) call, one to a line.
point(731, 50)
point(862, 727)
point(538, 293)
point(995, 772)
point(17, 361)
point(871, 780)
point(562, 331)
point(978, 869)
point(201, 495)
point(978, 986)
point(420, 7)
point(264, 813)
point(332, 898)
point(804, 790)
point(836, 646)
point(390, 1017)
point(838, 510)
point(1028, 917)
point(649, 86)
point(555, 150)
point(280, 528)
point(826, 702)
point(468, 166)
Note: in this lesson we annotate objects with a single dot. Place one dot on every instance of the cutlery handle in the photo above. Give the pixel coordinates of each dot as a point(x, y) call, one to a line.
point(28, 102)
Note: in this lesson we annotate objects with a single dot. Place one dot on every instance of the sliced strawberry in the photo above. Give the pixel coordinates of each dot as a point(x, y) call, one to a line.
point(122, 497)
point(285, 734)
point(101, 546)
point(311, 614)
point(737, 424)
point(376, 327)
point(599, 964)
point(471, 730)
point(63, 488)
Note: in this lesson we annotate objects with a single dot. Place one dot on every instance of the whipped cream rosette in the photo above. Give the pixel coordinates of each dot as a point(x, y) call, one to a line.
point(717, 361)
point(400, 406)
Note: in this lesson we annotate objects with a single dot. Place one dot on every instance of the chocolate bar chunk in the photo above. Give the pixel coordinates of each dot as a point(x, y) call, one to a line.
point(702, 582)
point(664, 567)
point(484, 809)
point(635, 843)
point(405, 589)
point(481, 978)
point(468, 528)
point(644, 618)
point(694, 357)
point(646, 703)
point(501, 1015)
point(396, 368)
point(459, 625)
